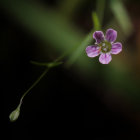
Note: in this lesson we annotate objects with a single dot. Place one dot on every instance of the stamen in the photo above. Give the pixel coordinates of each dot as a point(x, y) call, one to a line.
point(103, 44)
point(105, 49)
point(99, 49)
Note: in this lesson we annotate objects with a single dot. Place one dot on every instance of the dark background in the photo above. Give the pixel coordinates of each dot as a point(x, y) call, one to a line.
point(65, 99)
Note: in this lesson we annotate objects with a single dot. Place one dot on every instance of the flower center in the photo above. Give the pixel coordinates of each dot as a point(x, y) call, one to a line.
point(105, 46)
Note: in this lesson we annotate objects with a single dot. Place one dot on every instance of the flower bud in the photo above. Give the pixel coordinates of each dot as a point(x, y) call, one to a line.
point(14, 114)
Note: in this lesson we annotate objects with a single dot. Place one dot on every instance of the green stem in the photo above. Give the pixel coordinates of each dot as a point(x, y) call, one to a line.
point(15, 114)
point(48, 66)
point(33, 85)
point(100, 7)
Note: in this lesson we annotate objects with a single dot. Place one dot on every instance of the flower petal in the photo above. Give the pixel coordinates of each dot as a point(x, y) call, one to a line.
point(98, 36)
point(111, 35)
point(116, 48)
point(105, 58)
point(92, 51)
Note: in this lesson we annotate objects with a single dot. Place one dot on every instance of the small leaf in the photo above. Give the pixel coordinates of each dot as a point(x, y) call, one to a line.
point(96, 22)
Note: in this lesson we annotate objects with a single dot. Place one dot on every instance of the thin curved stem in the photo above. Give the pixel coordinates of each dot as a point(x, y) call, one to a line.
point(33, 85)
point(41, 76)
point(15, 114)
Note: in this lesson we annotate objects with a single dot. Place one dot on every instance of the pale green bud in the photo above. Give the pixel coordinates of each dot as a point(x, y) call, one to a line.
point(14, 114)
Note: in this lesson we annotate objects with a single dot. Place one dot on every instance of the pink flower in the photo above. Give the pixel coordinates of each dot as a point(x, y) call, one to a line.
point(104, 46)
